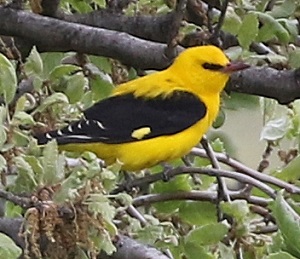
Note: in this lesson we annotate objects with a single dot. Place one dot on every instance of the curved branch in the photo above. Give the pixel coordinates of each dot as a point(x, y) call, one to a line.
point(194, 170)
point(249, 171)
point(196, 196)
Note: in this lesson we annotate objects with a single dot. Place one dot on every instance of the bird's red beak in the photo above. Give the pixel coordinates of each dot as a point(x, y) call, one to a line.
point(234, 66)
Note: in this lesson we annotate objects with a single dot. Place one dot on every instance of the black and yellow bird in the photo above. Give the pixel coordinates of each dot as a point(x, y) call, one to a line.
point(155, 118)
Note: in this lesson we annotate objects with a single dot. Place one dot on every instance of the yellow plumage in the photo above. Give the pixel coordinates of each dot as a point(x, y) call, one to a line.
point(200, 72)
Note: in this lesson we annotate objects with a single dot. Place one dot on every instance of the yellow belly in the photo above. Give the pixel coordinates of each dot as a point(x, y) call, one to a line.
point(146, 153)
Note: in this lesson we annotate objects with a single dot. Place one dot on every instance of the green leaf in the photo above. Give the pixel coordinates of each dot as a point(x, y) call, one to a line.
point(63, 70)
point(290, 26)
point(69, 187)
point(218, 145)
point(285, 10)
point(3, 163)
point(194, 251)
point(8, 79)
point(75, 87)
point(99, 204)
point(180, 183)
point(274, 27)
point(248, 30)
point(280, 255)
point(291, 172)
point(275, 129)
point(12, 210)
point(232, 21)
point(124, 199)
point(103, 242)
point(26, 180)
point(207, 235)
point(53, 166)
point(150, 234)
point(20, 139)
point(36, 165)
point(101, 88)
point(266, 32)
point(8, 248)
point(22, 118)
point(226, 252)
point(205, 211)
point(238, 209)
point(55, 98)
point(50, 61)
point(103, 63)
point(34, 63)
point(101, 3)
point(81, 6)
point(3, 136)
point(219, 121)
point(288, 221)
point(294, 58)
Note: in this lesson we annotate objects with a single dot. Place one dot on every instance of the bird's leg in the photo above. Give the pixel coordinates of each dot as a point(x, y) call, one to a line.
point(166, 170)
point(128, 178)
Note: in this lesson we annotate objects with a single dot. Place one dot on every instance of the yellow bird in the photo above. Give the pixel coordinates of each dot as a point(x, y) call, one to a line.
point(155, 118)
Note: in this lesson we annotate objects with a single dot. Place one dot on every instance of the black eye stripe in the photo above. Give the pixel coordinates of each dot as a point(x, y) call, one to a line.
point(212, 66)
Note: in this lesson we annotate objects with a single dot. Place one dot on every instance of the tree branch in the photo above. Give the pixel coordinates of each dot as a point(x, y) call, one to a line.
point(67, 36)
point(196, 196)
point(154, 28)
point(284, 86)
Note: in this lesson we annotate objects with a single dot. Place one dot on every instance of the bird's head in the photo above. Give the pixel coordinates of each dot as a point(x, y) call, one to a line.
point(205, 70)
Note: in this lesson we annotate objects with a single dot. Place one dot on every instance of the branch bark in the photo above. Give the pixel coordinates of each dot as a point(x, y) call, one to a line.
point(67, 36)
point(284, 86)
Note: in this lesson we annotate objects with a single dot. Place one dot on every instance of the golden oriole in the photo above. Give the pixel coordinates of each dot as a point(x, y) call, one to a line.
point(154, 118)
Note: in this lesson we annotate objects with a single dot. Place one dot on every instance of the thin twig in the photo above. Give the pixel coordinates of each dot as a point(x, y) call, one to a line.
point(290, 188)
point(265, 230)
point(222, 188)
point(216, 32)
point(133, 212)
point(171, 50)
point(192, 170)
point(23, 202)
point(196, 196)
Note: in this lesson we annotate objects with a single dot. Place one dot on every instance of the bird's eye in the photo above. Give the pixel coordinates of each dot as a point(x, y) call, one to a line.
point(212, 66)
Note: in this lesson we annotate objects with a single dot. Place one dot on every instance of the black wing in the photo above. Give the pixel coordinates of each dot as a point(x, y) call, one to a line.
point(115, 119)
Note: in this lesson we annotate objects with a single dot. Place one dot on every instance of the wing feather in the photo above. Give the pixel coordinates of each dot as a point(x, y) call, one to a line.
point(117, 119)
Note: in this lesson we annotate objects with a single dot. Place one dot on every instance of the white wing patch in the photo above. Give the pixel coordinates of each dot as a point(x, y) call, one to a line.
point(48, 136)
point(100, 125)
point(78, 137)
